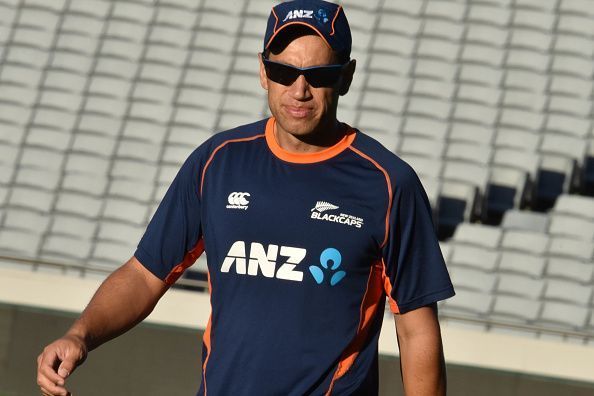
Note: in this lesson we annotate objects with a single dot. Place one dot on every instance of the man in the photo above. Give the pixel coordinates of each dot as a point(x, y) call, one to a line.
point(308, 224)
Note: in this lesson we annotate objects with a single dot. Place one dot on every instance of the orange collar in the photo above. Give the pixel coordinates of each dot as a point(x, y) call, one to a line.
point(306, 158)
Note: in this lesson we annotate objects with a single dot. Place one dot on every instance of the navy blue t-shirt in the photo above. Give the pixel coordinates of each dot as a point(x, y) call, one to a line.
point(302, 250)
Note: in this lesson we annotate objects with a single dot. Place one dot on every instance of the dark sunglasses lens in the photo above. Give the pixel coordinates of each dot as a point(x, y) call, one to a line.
point(281, 74)
point(323, 76)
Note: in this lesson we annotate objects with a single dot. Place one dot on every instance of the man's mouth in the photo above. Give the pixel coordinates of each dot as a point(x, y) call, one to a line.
point(298, 112)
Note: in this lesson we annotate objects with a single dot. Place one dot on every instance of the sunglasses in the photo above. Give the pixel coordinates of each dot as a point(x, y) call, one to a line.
point(317, 76)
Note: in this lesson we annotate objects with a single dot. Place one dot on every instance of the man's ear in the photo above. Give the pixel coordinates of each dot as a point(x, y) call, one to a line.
point(347, 77)
point(263, 78)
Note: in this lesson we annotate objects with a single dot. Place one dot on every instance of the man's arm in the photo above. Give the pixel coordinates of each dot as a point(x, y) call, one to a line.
point(123, 300)
point(421, 353)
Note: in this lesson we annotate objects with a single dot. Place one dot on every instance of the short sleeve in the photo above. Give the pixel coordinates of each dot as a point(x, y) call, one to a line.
point(415, 271)
point(173, 239)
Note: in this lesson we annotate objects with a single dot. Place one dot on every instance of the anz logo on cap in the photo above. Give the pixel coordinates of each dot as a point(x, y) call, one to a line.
point(294, 14)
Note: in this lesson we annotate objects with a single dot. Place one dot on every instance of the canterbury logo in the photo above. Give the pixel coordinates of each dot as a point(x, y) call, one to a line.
point(237, 200)
point(322, 206)
point(299, 14)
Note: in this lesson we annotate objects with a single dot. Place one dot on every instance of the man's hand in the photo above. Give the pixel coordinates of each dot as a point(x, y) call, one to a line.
point(57, 361)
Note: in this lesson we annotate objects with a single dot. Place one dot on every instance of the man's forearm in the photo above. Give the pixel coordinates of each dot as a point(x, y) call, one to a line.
point(124, 299)
point(421, 352)
point(423, 366)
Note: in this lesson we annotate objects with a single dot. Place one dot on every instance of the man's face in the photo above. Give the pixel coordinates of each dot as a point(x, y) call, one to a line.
point(299, 108)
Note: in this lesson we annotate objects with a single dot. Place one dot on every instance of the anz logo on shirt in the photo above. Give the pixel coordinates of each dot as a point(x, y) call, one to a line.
point(281, 262)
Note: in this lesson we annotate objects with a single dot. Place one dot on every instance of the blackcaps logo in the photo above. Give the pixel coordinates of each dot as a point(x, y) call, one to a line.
point(322, 16)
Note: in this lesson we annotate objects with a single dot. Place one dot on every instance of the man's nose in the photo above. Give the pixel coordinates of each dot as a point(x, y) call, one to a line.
point(300, 89)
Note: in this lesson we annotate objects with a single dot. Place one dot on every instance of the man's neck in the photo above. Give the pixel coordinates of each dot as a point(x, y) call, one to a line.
point(318, 140)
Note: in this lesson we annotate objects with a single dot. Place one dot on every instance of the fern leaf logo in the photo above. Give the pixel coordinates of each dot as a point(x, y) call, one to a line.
point(322, 206)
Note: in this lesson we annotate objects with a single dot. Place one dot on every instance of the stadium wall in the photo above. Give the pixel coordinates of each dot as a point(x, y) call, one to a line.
point(164, 352)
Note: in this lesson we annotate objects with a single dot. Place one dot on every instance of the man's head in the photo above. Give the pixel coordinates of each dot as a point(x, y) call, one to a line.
point(305, 34)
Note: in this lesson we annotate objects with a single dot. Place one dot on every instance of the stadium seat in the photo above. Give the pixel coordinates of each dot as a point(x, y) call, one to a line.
point(133, 169)
point(519, 285)
point(576, 126)
point(457, 203)
point(118, 232)
point(475, 112)
point(87, 164)
point(568, 291)
point(9, 154)
point(94, 185)
point(60, 245)
point(142, 130)
point(525, 241)
point(471, 173)
point(577, 66)
point(62, 77)
point(421, 146)
point(525, 220)
point(125, 211)
point(19, 243)
point(38, 178)
point(506, 189)
point(521, 99)
point(515, 308)
point(472, 279)
point(473, 153)
point(570, 247)
point(82, 24)
point(483, 94)
point(526, 80)
point(573, 226)
point(398, 23)
point(79, 204)
point(570, 86)
point(563, 145)
point(26, 220)
point(72, 225)
point(141, 191)
point(563, 314)
point(514, 262)
point(93, 144)
point(142, 151)
point(470, 302)
point(472, 256)
point(41, 158)
point(110, 255)
point(555, 177)
point(566, 268)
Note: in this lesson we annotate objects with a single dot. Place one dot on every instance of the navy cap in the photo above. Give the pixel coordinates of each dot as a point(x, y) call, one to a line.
point(326, 19)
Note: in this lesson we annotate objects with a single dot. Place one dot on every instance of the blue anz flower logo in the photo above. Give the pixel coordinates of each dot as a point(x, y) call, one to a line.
point(330, 259)
point(322, 16)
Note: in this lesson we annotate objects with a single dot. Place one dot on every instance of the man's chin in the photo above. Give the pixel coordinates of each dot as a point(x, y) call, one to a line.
point(298, 126)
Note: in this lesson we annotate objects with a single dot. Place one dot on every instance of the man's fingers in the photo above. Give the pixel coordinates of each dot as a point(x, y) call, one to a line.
point(49, 388)
point(46, 367)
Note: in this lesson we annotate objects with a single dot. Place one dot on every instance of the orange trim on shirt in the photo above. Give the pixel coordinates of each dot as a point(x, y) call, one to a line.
point(189, 259)
point(206, 336)
point(220, 146)
point(334, 19)
point(368, 311)
point(388, 289)
point(305, 158)
point(295, 23)
point(389, 184)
